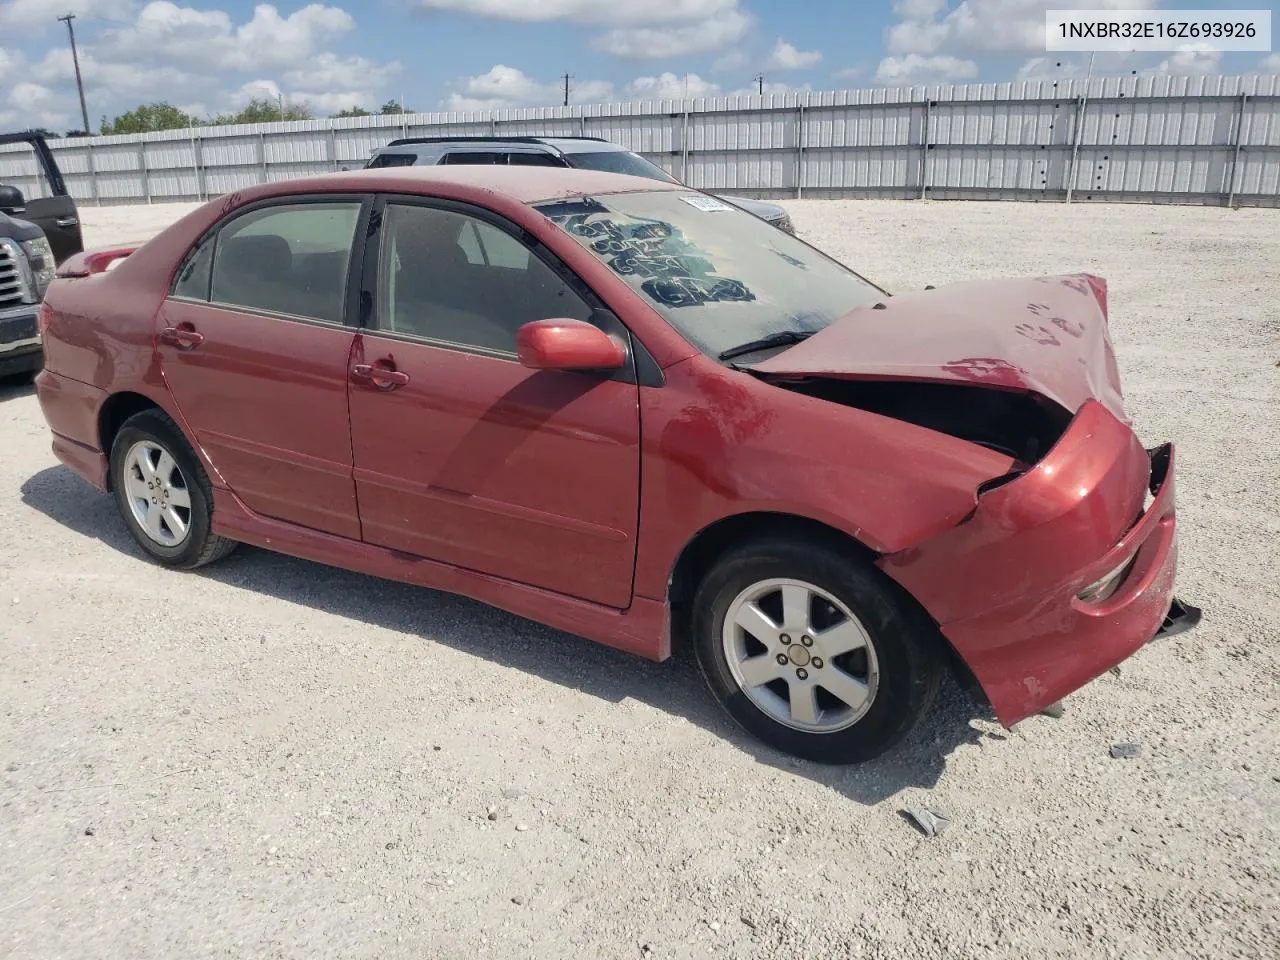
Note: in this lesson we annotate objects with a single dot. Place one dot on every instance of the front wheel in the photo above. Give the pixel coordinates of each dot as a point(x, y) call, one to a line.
point(163, 493)
point(813, 652)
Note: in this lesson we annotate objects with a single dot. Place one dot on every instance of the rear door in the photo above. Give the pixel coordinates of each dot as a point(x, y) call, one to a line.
point(33, 169)
point(254, 344)
point(463, 455)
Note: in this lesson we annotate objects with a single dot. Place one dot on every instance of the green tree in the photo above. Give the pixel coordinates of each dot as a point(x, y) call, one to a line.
point(351, 112)
point(391, 107)
point(266, 110)
point(148, 117)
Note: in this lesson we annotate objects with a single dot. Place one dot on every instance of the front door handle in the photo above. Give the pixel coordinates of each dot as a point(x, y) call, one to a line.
point(184, 337)
point(380, 377)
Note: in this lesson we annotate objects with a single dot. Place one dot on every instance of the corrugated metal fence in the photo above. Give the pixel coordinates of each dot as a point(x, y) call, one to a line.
point(1209, 140)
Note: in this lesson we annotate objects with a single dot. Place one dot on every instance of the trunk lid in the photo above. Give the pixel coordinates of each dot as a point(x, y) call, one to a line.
point(1044, 335)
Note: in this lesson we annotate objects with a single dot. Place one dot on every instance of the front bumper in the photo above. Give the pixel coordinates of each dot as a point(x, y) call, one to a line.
point(20, 350)
point(1005, 586)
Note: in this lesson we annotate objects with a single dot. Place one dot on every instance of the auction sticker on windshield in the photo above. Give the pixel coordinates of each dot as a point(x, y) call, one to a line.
point(707, 204)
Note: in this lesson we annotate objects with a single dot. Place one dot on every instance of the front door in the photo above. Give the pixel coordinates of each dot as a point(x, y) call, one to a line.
point(254, 350)
point(463, 455)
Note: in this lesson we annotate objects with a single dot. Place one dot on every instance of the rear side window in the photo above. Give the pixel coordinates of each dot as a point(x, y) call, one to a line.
point(192, 281)
point(392, 160)
point(475, 156)
point(291, 259)
point(535, 160)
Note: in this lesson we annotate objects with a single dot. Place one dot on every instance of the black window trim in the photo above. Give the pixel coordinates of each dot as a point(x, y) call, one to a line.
point(639, 366)
point(350, 307)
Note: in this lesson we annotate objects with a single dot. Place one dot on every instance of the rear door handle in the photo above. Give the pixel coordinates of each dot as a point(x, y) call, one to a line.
point(183, 337)
point(380, 377)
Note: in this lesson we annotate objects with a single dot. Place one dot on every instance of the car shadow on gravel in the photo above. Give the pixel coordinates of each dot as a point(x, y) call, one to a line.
point(675, 687)
point(14, 388)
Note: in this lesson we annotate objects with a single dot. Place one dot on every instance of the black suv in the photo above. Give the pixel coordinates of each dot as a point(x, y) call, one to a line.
point(586, 153)
point(35, 236)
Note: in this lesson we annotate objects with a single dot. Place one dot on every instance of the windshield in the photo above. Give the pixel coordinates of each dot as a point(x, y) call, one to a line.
point(620, 161)
point(720, 276)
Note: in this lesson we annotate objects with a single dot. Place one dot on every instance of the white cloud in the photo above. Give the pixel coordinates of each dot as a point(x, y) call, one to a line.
point(31, 97)
point(1270, 64)
point(1195, 61)
point(203, 56)
point(927, 27)
point(502, 86)
point(670, 86)
point(729, 62)
point(328, 71)
point(44, 13)
point(183, 35)
point(587, 11)
point(913, 69)
point(665, 42)
point(786, 57)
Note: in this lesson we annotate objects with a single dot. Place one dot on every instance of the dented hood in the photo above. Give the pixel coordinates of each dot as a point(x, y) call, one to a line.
point(1046, 335)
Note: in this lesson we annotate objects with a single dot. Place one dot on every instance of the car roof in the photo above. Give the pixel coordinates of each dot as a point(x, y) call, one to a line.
point(521, 184)
point(562, 144)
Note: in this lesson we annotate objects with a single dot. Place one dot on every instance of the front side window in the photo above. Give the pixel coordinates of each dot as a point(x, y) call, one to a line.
point(457, 280)
point(475, 156)
point(291, 259)
point(722, 277)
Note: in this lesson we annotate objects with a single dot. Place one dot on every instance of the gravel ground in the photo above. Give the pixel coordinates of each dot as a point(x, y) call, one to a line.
point(272, 758)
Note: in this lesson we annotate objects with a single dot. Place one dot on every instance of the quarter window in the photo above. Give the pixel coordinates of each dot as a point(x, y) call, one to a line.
point(458, 280)
point(291, 259)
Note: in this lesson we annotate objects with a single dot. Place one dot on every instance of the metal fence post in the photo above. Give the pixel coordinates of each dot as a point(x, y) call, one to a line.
point(142, 169)
point(800, 145)
point(333, 147)
point(1077, 135)
point(924, 150)
point(93, 172)
point(195, 162)
point(1239, 138)
point(262, 154)
point(684, 142)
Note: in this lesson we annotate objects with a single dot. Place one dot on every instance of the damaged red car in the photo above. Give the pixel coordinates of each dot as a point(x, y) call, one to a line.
point(633, 412)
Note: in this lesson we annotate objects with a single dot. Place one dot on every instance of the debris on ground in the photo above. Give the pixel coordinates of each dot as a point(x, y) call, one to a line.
point(1126, 751)
point(930, 822)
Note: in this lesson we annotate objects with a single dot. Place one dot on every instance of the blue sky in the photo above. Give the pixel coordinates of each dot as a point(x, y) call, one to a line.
point(211, 55)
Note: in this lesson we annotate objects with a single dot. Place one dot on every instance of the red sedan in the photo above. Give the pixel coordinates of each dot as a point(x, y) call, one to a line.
point(631, 411)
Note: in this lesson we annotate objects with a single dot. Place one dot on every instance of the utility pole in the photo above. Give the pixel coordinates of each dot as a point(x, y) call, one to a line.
point(567, 78)
point(760, 82)
point(75, 58)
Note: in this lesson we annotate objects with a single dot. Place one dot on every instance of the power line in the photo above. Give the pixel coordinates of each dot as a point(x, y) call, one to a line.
point(75, 58)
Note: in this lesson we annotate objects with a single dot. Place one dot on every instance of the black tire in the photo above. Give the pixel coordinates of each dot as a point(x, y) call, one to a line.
point(200, 545)
point(906, 647)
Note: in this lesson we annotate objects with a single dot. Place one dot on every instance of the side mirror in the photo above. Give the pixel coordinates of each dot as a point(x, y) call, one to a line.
point(11, 199)
point(567, 345)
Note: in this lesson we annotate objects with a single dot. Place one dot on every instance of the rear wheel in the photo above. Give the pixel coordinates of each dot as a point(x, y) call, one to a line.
point(814, 652)
point(163, 493)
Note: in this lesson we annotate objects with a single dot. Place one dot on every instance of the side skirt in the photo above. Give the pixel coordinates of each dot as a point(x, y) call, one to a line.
point(643, 629)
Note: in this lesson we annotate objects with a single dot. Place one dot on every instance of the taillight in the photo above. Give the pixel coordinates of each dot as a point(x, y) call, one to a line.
point(1099, 288)
point(44, 317)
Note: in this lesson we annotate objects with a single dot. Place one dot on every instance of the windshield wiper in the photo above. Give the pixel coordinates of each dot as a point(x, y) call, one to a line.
point(784, 338)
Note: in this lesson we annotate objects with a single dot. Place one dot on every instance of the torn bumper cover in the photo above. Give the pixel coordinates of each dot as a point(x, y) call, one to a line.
point(1180, 618)
point(1052, 581)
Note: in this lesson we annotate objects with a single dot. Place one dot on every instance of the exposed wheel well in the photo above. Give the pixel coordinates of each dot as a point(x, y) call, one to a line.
point(711, 543)
point(119, 408)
